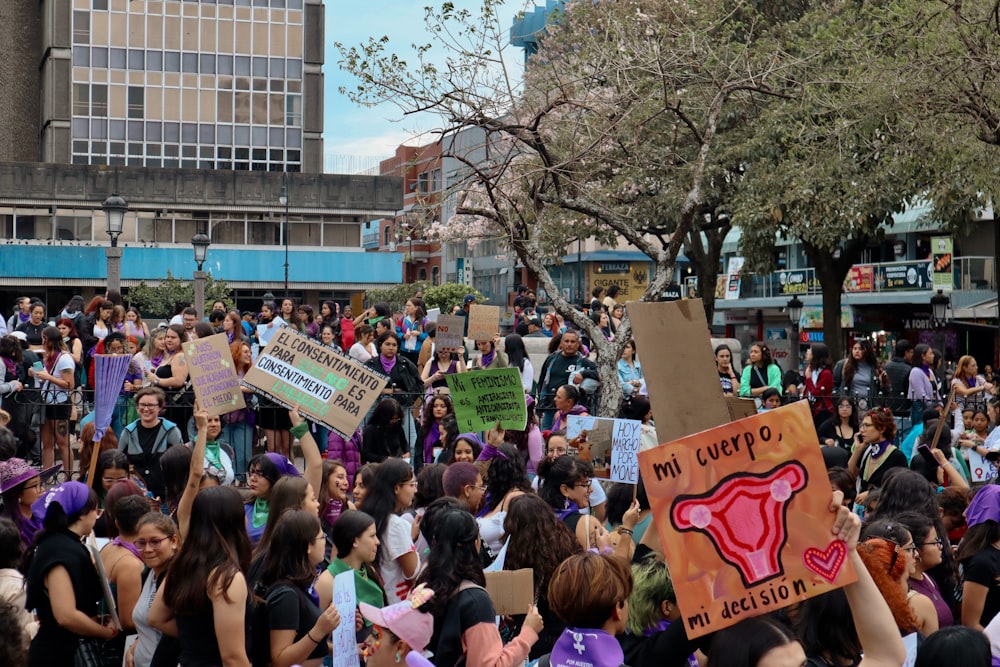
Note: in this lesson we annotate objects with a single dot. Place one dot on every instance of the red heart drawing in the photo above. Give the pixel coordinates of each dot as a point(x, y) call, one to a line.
point(827, 563)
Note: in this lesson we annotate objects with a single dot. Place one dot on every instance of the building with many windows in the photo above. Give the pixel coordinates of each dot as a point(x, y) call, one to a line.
point(173, 105)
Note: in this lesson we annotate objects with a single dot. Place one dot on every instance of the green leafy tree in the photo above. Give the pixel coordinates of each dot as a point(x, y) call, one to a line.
point(611, 135)
point(396, 296)
point(160, 300)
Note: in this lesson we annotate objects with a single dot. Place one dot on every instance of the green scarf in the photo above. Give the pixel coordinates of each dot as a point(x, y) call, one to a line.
point(367, 590)
point(213, 454)
point(259, 518)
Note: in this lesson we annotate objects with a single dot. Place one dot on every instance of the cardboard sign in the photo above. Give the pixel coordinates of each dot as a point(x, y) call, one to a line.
point(213, 375)
point(449, 332)
point(345, 599)
point(980, 469)
point(483, 398)
point(511, 591)
point(743, 512)
point(326, 386)
point(109, 597)
point(611, 446)
point(484, 322)
point(701, 404)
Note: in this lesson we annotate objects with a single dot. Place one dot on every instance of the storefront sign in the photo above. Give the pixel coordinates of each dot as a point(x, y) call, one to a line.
point(860, 278)
point(942, 260)
point(733, 283)
point(903, 276)
point(630, 277)
point(803, 281)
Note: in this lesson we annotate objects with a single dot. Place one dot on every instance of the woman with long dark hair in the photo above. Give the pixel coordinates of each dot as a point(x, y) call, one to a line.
point(923, 382)
point(437, 408)
point(204, 597)
point(392, 491)
point(297, 628)
point(171, 375)
point(384, 436)
point(506, 480)
point(56, 382)
point(355, 539)
point(464, 618)
point(728, 377)
point(760, 374)
point(62, 584)
point(412, 328)
point(517, 357)
point(404, 386)
point(819, 382)
point(538, 540)
point(862, 377)
point(841, 429)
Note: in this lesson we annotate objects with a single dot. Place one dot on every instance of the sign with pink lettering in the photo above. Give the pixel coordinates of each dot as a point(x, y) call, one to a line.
point(743, 514)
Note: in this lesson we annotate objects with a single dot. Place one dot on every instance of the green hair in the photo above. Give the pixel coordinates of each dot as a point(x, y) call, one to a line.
point(652, 585)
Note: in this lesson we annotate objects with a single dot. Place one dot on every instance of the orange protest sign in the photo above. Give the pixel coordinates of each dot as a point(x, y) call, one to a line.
point(743, 513)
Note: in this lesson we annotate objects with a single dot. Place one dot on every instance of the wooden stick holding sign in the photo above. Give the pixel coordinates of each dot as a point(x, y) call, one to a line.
point(944, 417)
point(327, 386)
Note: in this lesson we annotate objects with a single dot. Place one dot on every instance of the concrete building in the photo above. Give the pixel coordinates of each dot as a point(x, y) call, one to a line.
point(170, 104)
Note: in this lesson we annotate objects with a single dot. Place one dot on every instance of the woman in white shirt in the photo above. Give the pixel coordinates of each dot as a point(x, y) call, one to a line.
point(364, 347)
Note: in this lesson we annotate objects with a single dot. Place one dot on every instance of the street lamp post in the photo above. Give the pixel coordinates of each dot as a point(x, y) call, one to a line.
point(283, 199)
point(939, 308)
point(794, 315)
point(200, 243)
point(114, 208)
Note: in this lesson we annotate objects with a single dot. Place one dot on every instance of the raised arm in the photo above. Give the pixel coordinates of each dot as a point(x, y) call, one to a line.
point(195, 472)
point(310, 451)
point(880, 641)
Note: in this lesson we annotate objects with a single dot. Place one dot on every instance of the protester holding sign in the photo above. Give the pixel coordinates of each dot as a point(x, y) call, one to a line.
point(490, 357)
point(296, 626)
point(356, 542)
point(759, 642)
point(444, 363)
point(405, 385)
point(465, 628)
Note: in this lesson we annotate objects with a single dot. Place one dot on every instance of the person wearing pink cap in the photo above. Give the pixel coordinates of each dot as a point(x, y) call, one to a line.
point(397, 629)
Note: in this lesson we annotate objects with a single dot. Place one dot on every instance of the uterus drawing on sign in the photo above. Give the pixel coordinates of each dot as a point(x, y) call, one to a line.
point(744, 516)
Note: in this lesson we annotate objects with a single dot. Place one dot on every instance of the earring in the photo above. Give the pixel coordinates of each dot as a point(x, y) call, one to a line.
point(398, 658)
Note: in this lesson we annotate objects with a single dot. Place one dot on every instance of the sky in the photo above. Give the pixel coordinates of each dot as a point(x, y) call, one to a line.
point(355, 138)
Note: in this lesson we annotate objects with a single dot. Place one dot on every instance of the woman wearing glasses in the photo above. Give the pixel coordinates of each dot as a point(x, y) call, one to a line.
point(929, 554)
point(157, 542)
point(890, 554)
point(875, 454)
point(20, 486)
point(145, 440)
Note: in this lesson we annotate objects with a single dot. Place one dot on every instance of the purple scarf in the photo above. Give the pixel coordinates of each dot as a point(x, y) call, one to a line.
point(128, 546)
point(28, 528)
point(11, 367)
point(24, 317)
point(433, 435)
point(487, 359)
point(332, 511)
point(571, 507)
point(558, 425)
point(586, 648)
point(387, 364)
point(877, 449)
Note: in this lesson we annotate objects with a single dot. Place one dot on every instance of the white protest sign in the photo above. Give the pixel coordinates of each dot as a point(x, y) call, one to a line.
point(449, 332)
point(980, 469)
point(610, 445)
point(345, 599)
point(625, 450)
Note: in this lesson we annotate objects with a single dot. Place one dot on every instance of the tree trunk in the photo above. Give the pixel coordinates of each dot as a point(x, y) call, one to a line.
point(706, 257)
point(831, 273)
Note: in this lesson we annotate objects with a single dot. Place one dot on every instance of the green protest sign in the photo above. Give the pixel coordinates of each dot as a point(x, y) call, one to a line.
point(483, 398)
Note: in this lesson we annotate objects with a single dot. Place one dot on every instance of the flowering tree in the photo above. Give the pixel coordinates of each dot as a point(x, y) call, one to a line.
point(609, 135)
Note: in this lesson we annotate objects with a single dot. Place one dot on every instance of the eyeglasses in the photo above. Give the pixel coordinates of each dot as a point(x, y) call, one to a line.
point(148, 406)
point(866, 425)
point(154, 543)
point(913, 549)
point(482, 488)
point(255, 473)
point(583, 483)
point(939, 543)
point(113, 480)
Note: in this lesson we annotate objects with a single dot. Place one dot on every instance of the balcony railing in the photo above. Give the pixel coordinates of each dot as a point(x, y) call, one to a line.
point(970, 273)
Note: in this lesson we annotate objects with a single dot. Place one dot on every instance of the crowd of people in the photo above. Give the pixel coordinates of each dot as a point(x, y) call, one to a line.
point(218, 551)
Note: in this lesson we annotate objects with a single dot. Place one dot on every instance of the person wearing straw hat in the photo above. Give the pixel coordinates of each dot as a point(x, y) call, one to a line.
point(62, 582)
point(397, 629)
point(20, 486)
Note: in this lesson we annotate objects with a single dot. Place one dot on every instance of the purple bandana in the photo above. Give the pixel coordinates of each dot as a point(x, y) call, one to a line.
point(572, 507)
point(387, 364)
point(433, 435)
point(72, 496)
point(877, 449)
point(487, 359)
point(586, 648)
point(985, 506)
